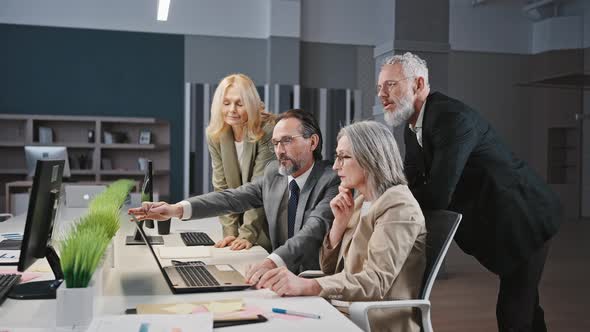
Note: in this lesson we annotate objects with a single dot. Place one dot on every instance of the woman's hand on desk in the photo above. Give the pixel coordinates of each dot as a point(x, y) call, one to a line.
point(236, 244)
point(156, 211)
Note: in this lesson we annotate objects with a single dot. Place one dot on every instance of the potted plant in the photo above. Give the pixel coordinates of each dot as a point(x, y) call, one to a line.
point(82, 250)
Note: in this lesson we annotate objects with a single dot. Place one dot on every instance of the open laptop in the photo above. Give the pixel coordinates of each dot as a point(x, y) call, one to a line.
point(197, 277)
point(79, 196)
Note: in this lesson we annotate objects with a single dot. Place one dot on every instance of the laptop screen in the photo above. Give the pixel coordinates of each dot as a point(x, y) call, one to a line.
point(147, 243)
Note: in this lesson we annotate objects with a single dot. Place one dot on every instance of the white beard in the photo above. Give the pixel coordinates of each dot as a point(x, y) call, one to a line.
point(402, 112)
point(399, 116)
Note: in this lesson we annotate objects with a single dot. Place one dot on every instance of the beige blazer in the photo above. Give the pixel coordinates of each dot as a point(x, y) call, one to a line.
point(229, 173)
point(382, 256)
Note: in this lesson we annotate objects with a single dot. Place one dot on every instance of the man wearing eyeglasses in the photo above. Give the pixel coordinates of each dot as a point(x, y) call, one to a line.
point(295, 192)
point(455, 160)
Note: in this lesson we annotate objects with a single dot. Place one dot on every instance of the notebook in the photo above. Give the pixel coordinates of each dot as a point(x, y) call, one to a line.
point(184, 252)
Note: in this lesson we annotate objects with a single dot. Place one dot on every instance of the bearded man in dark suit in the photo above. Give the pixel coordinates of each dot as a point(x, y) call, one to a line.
point(456, 161)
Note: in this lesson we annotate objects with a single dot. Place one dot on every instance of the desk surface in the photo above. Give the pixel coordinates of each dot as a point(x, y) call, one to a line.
point(135, 278)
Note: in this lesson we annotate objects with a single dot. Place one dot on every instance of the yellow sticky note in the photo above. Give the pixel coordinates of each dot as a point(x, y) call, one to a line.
point(181, 308)
point(222, 307)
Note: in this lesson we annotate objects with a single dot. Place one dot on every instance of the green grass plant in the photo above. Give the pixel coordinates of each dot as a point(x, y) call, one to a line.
point(82, 249)
point(81, 252)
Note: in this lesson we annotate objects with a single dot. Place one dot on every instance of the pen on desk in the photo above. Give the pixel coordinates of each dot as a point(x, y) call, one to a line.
point(295, 313)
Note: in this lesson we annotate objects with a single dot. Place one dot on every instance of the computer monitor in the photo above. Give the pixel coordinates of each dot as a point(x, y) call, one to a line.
point(34, 153)
point(36, 243)
point(147, 190)
point(147, 195)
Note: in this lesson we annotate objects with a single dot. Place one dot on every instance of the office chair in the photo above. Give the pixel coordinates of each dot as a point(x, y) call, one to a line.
point(441, 226)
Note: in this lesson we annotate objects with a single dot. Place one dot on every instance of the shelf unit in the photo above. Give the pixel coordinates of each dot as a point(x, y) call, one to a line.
point(88, 158)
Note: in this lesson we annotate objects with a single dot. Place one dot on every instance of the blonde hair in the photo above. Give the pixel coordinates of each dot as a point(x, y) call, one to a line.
point(253, 129)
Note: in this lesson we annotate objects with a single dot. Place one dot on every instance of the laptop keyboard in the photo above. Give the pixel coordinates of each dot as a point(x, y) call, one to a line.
point(7, 281)
point(196, 275)
point(196, 239)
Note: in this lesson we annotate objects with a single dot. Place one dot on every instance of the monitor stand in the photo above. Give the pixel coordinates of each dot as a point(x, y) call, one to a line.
point(136, 239)
point(41, 290)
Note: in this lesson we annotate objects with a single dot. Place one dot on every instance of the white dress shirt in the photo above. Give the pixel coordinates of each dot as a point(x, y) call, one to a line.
point(300, 180)
point(417, 129)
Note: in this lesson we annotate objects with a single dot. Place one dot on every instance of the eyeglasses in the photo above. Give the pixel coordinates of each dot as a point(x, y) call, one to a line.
point(390, 84)
point(285, 141)
point(340, 158)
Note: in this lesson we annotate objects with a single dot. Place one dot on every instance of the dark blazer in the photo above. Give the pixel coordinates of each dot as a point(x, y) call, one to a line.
point(463, 166)
point(313, 219)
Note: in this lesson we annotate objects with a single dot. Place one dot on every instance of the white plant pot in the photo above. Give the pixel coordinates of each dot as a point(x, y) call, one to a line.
point(75, 306)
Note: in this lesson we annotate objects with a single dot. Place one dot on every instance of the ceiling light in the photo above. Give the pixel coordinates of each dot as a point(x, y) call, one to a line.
point(163, 6)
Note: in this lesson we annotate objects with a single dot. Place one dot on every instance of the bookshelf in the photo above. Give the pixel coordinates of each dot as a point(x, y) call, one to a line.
point(110, 154)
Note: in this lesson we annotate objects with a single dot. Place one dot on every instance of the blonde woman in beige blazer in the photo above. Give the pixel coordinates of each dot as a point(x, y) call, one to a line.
point(239, 136)
point(375, 249)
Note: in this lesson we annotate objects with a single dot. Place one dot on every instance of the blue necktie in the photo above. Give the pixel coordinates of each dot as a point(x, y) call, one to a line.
point(292, 210)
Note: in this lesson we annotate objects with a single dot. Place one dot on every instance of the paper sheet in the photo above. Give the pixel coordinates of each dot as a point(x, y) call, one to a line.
point(9, 256)
point(219, 308)
point(184, 252)
point(152, 323)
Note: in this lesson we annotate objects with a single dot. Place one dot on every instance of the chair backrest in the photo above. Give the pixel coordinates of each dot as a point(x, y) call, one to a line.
point(441, 226)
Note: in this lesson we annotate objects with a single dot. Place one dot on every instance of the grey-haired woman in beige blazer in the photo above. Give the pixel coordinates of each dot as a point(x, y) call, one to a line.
point(375, 249)
point(238, 136)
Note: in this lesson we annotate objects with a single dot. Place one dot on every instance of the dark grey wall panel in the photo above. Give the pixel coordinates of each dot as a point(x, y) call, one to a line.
point(209, 59)
point(282, 60)
point(61, 71)
point(365, 78)
point(328, 65)
point(422, 20)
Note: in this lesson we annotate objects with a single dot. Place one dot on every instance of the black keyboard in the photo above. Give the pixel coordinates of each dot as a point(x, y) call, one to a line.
point(7, 281)
point(196, 275)
point(196, 239)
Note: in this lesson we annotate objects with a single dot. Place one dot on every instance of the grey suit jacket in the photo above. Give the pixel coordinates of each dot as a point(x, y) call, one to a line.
point(313, 219)
point(228, 172)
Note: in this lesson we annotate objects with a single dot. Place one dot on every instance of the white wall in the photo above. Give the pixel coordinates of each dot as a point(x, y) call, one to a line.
point(339, 21)
point(230, 18)
point(495, 26)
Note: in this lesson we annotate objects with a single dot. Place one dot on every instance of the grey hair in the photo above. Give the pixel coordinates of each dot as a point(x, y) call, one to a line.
point(375, 149)
point(412, 65)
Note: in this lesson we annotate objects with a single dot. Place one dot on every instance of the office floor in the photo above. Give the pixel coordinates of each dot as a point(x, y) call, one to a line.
point(466, 300)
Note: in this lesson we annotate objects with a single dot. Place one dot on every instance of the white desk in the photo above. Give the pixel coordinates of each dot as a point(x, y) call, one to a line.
point(136, 279)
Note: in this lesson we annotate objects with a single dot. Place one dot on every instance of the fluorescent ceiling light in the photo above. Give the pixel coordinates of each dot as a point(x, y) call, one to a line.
point(163, 6)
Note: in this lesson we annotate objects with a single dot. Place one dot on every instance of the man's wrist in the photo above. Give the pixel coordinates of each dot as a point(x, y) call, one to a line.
point(178, 210)
point(269, 263)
